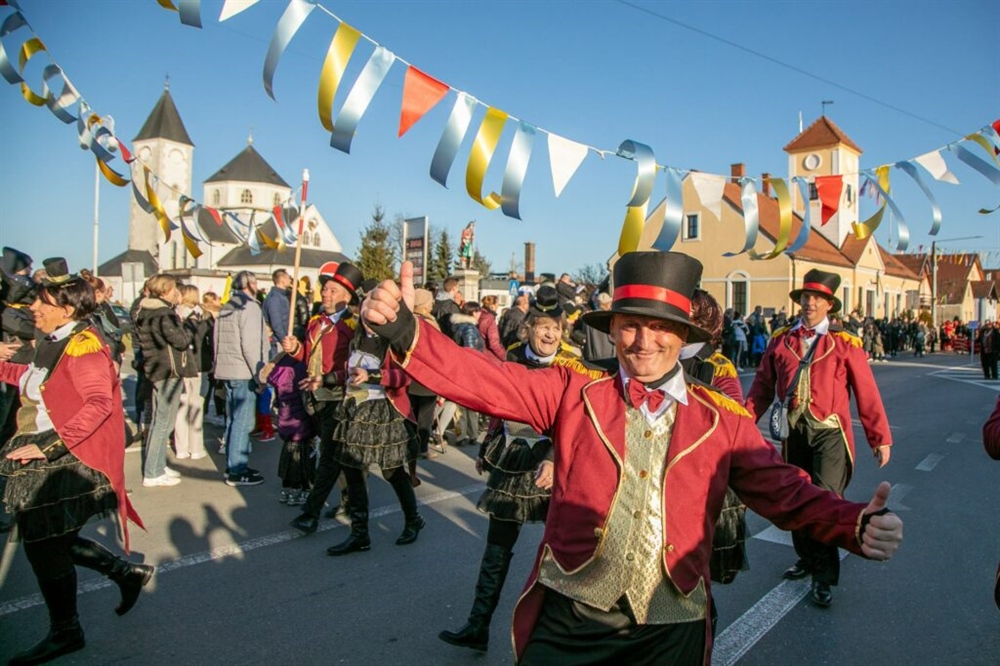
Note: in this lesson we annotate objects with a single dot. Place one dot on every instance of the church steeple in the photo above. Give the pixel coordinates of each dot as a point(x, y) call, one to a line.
point(165, 121)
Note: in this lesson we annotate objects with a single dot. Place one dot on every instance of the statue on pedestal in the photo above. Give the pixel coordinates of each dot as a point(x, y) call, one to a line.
point(466, 244)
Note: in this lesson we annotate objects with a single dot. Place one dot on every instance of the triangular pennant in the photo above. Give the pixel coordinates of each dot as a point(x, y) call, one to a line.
point(936, 166)
point(233, 7)
point(709, 188)
point(829, 189)
point(565, 157)
point(421, 93)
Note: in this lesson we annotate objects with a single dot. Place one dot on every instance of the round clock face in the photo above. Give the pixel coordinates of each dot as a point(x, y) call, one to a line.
point(144, 153)
point(811, 162)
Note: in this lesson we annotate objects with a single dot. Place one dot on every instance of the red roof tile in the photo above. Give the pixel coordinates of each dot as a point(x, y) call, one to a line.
point(821, 134)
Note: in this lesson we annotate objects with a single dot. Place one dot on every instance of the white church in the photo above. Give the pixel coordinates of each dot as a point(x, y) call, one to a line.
point(247, 186)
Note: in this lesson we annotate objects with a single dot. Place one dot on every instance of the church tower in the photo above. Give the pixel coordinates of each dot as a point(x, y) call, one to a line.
point(164, 146)
point(823, 149)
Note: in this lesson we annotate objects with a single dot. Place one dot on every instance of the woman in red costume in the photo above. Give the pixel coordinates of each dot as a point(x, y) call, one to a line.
point(65, 463)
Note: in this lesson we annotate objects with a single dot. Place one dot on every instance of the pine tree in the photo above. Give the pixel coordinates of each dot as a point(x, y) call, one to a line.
point(441, 260)
point(376, 258)
point(481, 264)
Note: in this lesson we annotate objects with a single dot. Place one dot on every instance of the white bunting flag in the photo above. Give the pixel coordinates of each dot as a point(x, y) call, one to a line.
point(565, 157)
point(936, 167)
point(233, 7)
point(709, 188)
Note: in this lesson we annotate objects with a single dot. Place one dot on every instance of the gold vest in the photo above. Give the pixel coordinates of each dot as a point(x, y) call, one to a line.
point(630, 560)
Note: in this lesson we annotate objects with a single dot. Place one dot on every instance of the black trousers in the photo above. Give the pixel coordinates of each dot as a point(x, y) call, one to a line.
point(423, 409)
point(570, 633)
point(822, 453)
point(329, 469)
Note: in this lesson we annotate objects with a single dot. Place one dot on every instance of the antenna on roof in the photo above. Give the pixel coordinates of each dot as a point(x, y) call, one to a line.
point(250, 135)
point(166, 82)
point(824, 103)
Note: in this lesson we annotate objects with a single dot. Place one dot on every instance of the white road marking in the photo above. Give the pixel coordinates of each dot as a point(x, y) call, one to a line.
point(32, 600)
point(967, 375)
point(956, 438)
point(930, 462)
point(775, 535)
point(737, 639)
point(896, 495)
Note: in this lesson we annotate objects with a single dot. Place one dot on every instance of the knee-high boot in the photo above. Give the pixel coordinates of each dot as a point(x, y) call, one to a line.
point(357, 508)
point(130, 578)
point(65, 634)
point(492, 574)
point(400, 482)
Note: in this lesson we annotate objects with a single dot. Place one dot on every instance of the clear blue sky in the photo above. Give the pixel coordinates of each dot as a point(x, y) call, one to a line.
point(597, 72)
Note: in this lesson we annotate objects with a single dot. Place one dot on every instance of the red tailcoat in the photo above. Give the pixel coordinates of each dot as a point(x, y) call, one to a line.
point(336, 340)
point(715, 443)
point(84, 400)
point(839, 366)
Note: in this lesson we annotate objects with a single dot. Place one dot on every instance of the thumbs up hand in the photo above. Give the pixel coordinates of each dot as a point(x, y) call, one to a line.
point(883, 532)
point(382, 304)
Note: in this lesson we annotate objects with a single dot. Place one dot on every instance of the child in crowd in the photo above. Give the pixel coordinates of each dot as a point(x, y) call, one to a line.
point(296, 466)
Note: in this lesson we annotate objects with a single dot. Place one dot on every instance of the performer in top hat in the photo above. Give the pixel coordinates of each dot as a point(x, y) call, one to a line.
point(325, 353)
point(641, 461)
point(820, 439)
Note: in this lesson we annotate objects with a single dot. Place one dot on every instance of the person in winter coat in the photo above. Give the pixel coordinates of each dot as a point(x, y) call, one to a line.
point(465, 331)
point(189, 431)
point(488, 328)
point(167, 359)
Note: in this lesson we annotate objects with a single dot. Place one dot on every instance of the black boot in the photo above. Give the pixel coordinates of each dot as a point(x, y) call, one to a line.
point(65, 634)
point(400, 482)
point(130, 578)
point(492, 574)
point(357, 508)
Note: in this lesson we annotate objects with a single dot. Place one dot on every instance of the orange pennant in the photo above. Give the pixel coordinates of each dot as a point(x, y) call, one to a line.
point(829, 189)
point(421, 93)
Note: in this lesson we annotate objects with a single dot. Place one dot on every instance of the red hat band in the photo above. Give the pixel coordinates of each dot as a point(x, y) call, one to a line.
point(344, 282)
point(652, 293)
point(816, 286)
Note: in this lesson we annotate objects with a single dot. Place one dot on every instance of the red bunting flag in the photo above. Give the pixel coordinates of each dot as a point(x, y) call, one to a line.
point(829, 189)
point(215, 215)
point(421, 93)
point(277, 217)
point(996, 127)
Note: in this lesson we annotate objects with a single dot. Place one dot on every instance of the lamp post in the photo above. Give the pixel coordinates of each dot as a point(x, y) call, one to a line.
point(934, 321)
point(112, 146)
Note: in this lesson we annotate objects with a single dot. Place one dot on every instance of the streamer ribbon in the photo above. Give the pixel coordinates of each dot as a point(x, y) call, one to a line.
point(880, 181)
point(341, 47)
point(483, 148)
point(911, 171)
point(451, 138)
point(360, 97)
point(806, 227)
point(11, 24)
point(784, 221)
point(865, 229)
point(635, 214)
point(751, 215)
point(517, 168)
point(289, 24)
point(673, 211)
point(985, 169)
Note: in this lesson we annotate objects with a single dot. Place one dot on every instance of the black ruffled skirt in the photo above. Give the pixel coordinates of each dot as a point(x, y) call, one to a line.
point(52, 497)
point(511, 493)
point(297, 464)
point(372, 433)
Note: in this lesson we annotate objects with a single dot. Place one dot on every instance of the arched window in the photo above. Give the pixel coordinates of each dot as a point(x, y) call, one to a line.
point(316, 239)
point(216, 197)
point(246, 197)
point(738, 291)
point(277, 198)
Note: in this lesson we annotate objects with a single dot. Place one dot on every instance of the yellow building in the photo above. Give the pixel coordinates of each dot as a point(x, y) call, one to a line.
point(873, 282)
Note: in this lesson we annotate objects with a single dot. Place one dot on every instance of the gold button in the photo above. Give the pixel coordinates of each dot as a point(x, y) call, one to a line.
point(670, 547)
point(647, 434)
point(643, 474)
point(598, 532)
point(630, 557)
point(637, 514)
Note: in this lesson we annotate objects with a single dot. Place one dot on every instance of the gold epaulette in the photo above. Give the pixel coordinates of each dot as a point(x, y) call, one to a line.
point(313, 318)
point(573, 363)
point(722, 400)
point(82, 343)
point(351, 322)
point(849, 338)
point(780, 331)
point(723, 366)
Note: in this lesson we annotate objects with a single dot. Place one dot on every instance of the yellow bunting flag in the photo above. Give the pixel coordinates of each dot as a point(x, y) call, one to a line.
point(482, 152)
point(784, 221)
point(341, 47)
point(28, 49)
point(865, 229)
point(154, 201)
point(635, 219)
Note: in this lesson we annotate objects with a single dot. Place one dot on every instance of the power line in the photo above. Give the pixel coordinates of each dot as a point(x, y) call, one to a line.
point(786, 65)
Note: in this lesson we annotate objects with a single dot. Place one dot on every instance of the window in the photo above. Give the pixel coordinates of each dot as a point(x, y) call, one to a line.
point(846, 300)
point(740, 296)
point(316, 239)
point(216, 197)
point(691, 227)
point(246, 197)
point(277, 198)
point(899, 305)
point(813, 192)
point(850, 194)
point(870, 303)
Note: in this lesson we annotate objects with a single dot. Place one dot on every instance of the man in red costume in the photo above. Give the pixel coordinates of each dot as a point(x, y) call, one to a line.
point(641, 464)
point(820, 437)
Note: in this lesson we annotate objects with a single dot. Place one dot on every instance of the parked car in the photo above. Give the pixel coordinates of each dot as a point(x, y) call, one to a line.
point(124, 320)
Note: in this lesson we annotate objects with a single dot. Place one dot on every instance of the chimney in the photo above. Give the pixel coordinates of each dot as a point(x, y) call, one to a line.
point(529, 263)
point(765, 184)
point(737, 171)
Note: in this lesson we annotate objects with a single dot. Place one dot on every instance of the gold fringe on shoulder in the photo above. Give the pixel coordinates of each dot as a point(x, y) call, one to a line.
point(849, 338)
point(82, 343)
point(723, 366)
point(722, 400)
point(574, 364)
point(352, 323)
point(780, 331)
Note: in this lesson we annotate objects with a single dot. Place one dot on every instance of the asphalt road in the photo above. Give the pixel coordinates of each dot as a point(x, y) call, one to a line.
point(236, 585)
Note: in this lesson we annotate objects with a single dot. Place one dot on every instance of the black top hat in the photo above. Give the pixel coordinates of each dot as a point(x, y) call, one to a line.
point(545, 303)
point(822, 283)
point(347, 276)
point(368, 286)
point(57, 272)
point(14, 261)
point(653, 284)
